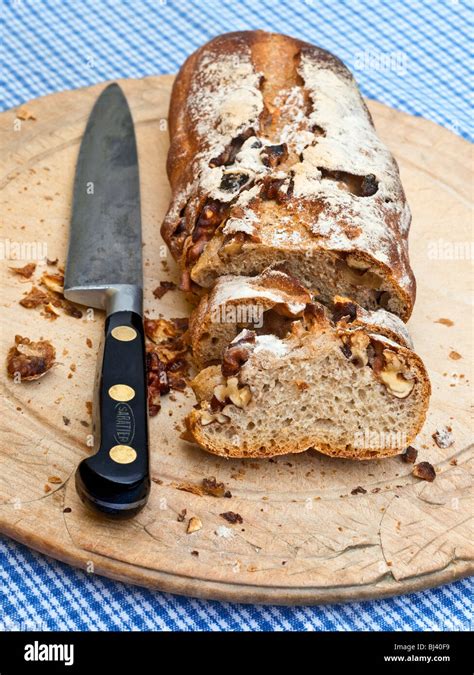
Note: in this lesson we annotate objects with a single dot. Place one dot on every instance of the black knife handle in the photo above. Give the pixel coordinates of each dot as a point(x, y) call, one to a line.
point(116, 480)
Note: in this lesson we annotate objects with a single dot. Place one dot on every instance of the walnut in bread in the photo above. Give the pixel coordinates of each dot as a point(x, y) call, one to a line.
point(274, 157)
point(28, 360)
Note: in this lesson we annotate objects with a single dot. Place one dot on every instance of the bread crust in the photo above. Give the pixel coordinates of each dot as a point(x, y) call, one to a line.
point(331, 198)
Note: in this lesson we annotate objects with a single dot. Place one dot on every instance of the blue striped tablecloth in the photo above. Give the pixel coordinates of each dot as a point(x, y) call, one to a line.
point(412, 55)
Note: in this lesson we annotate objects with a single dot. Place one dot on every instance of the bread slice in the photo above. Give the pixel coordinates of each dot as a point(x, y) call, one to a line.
point(274, 158)
point(267, 303)
point(345, 391)
point(272, 302)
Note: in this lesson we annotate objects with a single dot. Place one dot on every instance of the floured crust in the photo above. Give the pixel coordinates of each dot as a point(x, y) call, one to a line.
point(223, 428)
point(274, 157)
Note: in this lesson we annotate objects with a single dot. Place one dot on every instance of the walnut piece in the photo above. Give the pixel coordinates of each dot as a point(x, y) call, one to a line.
point(225, 394)
point(393, 375)
point(30, 360)
point(34, 298)
point(167, 366)
point(410, 455)
point(230, 390)
point(232, 518)
point(208, 417)
point(359, 342)
point(160, 331)
point(212, 214)
point(50, 312)
point(163, 288)
point(357, 264)
point(236, 354)
point(51, 298)
point(212, 488)
point(233, 181)
point(425, 471)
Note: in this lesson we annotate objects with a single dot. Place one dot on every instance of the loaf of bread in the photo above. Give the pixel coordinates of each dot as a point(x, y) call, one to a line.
point(346, 391)
point(274, 158)
point(272, 302)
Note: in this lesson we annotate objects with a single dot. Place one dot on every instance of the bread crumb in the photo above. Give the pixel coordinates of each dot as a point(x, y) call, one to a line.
point(163, 288)
point(50, 312)
point(26, 271)
point(232, 517)
point(443, 437)
point(194, 525)
point(24, 114)
point(224, 532)
point(359, 490)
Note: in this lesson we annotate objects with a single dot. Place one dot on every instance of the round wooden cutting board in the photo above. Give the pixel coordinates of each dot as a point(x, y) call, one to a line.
point(308, 534)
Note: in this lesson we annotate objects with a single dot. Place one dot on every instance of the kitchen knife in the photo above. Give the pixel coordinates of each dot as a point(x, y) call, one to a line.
point(104, 270)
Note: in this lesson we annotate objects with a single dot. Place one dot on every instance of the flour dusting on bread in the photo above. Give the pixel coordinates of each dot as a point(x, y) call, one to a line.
point(274, 157)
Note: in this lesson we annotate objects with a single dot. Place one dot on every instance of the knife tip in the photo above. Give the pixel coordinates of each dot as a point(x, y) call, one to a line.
point(113, 86)
point(113, 92)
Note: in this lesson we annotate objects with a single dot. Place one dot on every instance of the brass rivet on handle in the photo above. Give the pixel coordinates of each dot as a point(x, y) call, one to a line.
point(121, 392)
point(124, 333)
point(123, 454)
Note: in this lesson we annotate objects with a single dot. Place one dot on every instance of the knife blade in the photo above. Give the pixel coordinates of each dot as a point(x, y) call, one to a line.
point(104, 270)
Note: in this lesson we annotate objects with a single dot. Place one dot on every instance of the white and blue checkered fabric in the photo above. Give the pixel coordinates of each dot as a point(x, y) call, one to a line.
point(414, 55)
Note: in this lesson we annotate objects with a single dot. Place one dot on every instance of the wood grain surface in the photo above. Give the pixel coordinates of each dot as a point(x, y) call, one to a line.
point(305, 538)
